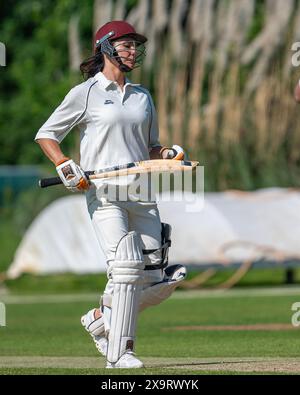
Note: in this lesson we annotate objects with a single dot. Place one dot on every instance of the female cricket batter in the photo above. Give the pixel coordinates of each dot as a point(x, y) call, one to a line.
point(118, 124)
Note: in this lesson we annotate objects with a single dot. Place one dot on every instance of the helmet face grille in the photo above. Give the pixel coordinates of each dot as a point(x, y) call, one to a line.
point(106, 47)
point(122, 50)
point(105, 38)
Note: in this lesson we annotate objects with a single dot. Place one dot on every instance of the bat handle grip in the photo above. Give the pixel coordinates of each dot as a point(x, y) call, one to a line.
point(48, 182)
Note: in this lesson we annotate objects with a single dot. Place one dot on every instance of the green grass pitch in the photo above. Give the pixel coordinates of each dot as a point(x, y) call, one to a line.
point(191, 333)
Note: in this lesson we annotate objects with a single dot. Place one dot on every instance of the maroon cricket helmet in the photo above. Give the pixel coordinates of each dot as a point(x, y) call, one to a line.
point(114, 30)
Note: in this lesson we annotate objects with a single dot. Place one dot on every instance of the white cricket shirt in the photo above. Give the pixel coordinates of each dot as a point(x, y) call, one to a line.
point(116, 127)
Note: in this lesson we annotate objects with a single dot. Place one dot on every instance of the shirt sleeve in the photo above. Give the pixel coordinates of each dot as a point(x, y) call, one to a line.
point(154, 129)
point(67, 115)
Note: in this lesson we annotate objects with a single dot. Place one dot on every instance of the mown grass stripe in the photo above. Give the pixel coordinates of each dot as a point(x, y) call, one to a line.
point(229, 364)
point(194, 294)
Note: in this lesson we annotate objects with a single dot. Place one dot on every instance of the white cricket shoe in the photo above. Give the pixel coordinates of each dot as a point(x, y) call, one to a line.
point(127, 361)
point(101, 344)
point(95, 328)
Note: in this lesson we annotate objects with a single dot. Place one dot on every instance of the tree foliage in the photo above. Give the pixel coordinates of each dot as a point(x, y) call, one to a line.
point(36, 77)
point(220, 73)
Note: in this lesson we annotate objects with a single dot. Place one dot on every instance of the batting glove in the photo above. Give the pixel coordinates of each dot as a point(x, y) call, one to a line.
point(72, 175)
point(175, 152)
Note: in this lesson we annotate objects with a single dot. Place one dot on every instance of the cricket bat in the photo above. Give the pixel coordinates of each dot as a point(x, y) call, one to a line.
point(146, 166)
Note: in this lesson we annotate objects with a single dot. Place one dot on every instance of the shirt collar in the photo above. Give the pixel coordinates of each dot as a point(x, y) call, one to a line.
point(128, 82)
point(106, 84)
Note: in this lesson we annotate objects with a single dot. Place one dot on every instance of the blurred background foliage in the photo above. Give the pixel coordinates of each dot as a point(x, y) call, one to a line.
point(220, 73)
point(219, 70)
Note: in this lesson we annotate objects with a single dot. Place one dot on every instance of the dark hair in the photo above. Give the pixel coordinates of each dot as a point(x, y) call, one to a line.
point(92, 65)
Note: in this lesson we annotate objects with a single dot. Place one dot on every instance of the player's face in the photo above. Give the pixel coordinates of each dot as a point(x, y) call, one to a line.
point(127, 51)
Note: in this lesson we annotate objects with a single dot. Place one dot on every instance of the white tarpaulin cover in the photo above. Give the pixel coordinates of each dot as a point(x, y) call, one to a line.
point(231, 226)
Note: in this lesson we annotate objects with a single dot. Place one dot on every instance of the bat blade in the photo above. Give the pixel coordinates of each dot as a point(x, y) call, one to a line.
point(147, 166)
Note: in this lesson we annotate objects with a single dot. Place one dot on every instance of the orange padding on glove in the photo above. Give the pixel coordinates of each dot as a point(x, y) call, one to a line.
point(64, 159)
point(83, 184)
point(179, 156)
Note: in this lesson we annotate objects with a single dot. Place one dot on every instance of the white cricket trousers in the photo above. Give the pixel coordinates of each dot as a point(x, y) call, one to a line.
point(113, 220)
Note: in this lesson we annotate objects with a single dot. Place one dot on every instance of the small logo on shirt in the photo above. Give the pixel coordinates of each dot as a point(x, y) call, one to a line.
point(108, 102)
